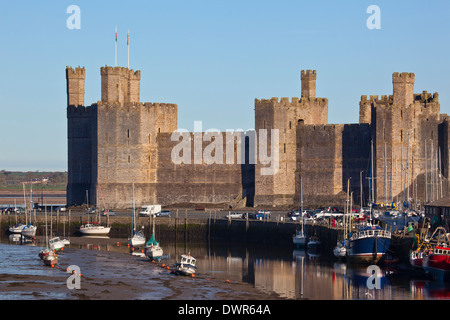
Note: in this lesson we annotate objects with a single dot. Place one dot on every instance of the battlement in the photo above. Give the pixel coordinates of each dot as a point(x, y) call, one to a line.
point(284, 101)
point(309, 74)
point(375, 99)
point(120, 71)
point(73, 111)
point(426, 97)
point(403, 77)
point(120, 84)
point(78, 72)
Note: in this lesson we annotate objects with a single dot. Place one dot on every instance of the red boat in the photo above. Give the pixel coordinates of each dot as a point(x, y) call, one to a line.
point(437, 263)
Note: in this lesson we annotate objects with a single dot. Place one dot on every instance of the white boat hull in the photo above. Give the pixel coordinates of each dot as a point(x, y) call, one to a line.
point(29, 231)
point(16, 228)
point(95, 230)
point(154, 252)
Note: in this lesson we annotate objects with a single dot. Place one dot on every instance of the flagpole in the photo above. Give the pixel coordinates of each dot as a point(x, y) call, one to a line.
point(128, 47)
point(115, 45)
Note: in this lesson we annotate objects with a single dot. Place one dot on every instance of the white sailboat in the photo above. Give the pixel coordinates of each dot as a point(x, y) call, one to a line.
point(94, 228)
point(56, 244)
point(299, 238)
point(29, 230)
point(137, 237)
point(152, 248)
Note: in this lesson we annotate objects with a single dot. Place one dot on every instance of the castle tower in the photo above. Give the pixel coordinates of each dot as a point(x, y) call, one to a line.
point(308, 78)
point(120, 85)
point(75, 86)
point(403, 88)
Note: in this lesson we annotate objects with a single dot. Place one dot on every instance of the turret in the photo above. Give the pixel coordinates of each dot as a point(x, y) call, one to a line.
point(403, 88)
point(120, 85)
point(75, 86)
point(308, 78)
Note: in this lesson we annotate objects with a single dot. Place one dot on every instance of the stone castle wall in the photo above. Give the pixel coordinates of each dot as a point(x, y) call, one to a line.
point(121, 141)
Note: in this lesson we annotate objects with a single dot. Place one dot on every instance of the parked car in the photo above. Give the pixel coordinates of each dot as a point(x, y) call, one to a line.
point(108, 212)
point(92, 210)
point(164, 213)
point(264, 214)
point(234, 215)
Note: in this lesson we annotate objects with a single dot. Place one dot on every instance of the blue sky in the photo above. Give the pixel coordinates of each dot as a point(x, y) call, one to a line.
point(212, 58)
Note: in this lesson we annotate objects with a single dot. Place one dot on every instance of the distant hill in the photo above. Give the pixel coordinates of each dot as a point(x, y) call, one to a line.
point(13, 180)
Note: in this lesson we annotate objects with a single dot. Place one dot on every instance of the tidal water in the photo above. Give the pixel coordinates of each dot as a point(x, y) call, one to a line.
point(271, 271)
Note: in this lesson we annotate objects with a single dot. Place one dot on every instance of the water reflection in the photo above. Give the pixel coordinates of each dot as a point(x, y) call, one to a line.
point(292, 274)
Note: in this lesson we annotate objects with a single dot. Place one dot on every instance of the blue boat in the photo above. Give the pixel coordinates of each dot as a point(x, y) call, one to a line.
point(368, 245)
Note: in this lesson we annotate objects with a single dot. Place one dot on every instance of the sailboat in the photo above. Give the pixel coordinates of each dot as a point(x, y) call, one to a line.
point(299, 238)
point(16, 228)
point(370, 243)
point(48, 255)
point(152, 248)
point(94, 228)
point(340, 250)
point(137, 237)
point(29, 230)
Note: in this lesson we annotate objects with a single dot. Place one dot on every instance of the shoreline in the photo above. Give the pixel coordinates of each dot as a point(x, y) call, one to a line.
point(116, 275)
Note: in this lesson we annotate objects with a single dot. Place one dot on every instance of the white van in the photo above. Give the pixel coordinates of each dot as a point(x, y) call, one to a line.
point(152, 209)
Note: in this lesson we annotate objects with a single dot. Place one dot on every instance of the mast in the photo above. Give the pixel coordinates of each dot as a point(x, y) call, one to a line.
point(301, 191)
point(426, 174)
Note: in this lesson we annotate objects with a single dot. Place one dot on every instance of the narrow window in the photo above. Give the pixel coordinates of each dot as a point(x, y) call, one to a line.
point(285, 148)
point(128, 133)
point(264, 124)
point(290, 125)
point(129, 159)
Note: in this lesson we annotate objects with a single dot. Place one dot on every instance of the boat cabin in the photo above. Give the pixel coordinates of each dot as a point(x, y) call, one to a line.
point(442, 250)
point(187, 259)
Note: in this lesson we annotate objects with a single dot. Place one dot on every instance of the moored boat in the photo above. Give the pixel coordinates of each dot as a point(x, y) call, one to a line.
point(340, 251)
point(56, 244)
point(299, 239)
point(17, 228)
point(314, 242)
point(186, 266)
point(94, 229)
point(437, 263)
point(29, 230)
point(369, 244)
point(50, 259)
point(152, 249)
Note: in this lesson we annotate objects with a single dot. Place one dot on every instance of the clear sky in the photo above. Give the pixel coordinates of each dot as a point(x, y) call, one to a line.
point(212, 58)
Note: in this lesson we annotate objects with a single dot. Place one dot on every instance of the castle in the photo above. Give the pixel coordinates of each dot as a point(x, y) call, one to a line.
point(397, 151)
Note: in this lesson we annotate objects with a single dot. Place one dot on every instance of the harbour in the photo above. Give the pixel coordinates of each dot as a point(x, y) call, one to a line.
point(237, 259)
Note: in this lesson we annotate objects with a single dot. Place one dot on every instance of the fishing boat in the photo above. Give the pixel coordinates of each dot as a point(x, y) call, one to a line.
point(56, 244)
point(186, 266)
point(94, 229)
point(437, 263)
point(369, 244)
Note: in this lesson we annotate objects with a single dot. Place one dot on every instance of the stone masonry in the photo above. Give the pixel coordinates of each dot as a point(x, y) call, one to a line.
point(120, 141)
